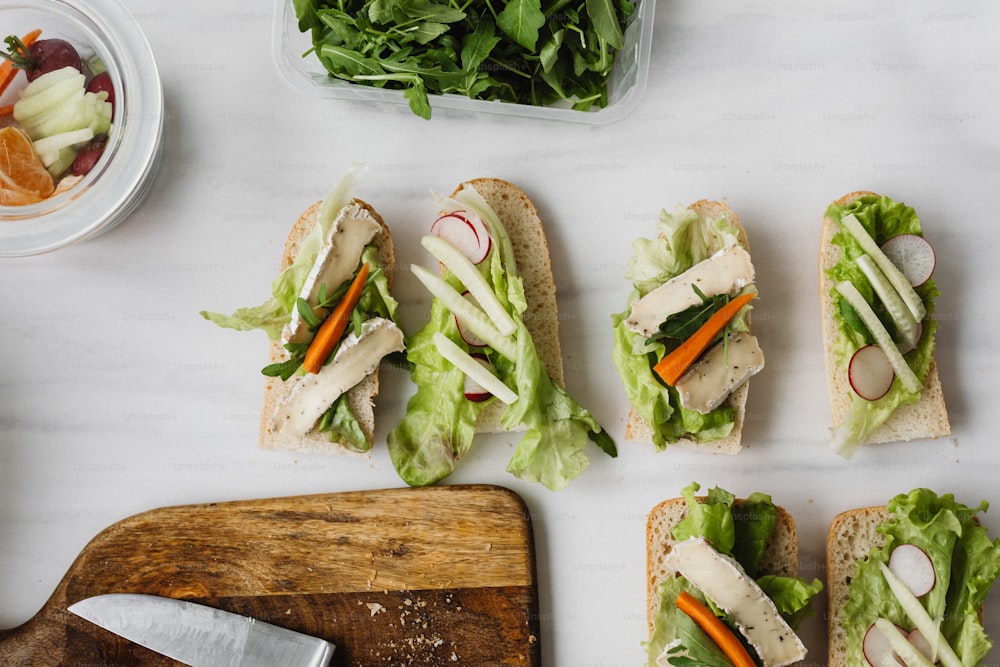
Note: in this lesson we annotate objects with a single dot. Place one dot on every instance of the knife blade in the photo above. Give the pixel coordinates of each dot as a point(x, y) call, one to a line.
point(202, 636)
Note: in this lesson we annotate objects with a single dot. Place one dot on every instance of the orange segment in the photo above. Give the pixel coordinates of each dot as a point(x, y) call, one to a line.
point(23, 177)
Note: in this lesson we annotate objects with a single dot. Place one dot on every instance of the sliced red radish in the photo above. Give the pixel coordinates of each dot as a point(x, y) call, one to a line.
point(473, 390)
point(913, 255)
point(914, 568)
point(467, 232)
point(878, 652)
point(469, 337)
point(870, 373)
point(922, 644)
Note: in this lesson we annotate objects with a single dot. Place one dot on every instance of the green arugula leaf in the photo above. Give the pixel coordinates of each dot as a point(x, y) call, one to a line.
point(521, 19)
point(605, 19)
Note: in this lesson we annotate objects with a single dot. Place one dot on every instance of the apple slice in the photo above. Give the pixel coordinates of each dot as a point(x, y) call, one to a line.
point(870, 373)
point(913, 567)
point(913, 255)
point(467, 232)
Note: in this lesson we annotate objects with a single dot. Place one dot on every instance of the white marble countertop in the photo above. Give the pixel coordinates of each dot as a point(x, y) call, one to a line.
point(116, 397)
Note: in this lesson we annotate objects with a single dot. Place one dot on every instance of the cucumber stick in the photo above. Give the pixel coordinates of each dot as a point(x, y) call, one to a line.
point(472, 368)
point(891, 271)
point(905, 374)
point(476, 320)
point(906, 324)
point(920, 618)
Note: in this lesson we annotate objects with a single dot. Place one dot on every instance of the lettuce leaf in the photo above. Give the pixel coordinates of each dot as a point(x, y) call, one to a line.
point(966, 561)
point(272, 315)
point(684, 240)
point(883, 218)
point(439, 424)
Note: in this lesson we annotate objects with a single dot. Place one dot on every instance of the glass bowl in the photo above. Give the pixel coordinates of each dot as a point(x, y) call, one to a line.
point(101, 29)
point(625, 86)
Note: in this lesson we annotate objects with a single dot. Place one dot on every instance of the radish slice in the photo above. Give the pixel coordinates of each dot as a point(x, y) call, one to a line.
point(913, 567)
point(922, 644)
point(465, 231)
point(467, 335)
point(474, 391)
point(913, 255)
point(877, 649)
point(870, 373)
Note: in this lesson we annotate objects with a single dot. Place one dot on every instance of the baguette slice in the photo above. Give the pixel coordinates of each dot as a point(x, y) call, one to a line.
point(361, 396)
point(852, 535)
point(781, 556)
point(925, 419)
point(638, 430)
point(531, 250)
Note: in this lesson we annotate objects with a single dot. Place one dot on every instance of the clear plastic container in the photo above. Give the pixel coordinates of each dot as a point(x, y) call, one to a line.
point(625, 87)
point(103, 29)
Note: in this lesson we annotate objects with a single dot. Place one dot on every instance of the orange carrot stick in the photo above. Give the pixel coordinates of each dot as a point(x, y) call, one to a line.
point(7, 69)
point(333, 328)
point(716, 629)
point(7, 110)
point(671, 367)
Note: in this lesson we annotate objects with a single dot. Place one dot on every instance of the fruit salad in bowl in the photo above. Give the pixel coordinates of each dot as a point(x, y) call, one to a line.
point(81, 121)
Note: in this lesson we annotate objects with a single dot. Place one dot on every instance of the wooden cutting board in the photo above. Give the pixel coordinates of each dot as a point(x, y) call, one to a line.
point(431, 576)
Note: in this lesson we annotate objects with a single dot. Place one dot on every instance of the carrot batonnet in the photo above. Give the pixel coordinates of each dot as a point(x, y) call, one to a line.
point(716, 629)
point(332, 329)
point(7, 69)
point(671, 367)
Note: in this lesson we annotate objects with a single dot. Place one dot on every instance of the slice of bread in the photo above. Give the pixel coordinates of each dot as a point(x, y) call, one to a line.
point(638, 430)
point(781, 556)
point(927, 418)
point(531, 250)
point(361, 396)
point(852, 535)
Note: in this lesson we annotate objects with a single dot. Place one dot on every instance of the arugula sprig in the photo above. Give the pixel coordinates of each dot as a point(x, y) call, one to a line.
point(533, 52)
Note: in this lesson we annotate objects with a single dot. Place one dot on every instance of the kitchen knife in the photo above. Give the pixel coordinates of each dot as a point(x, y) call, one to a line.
point(202, 636)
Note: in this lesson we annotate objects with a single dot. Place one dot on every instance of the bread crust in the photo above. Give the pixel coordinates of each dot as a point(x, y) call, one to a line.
point(638, 430)
point(781, 556)
point(361, 396)
point(851, 537)
point(925, 419)
point(531, 252)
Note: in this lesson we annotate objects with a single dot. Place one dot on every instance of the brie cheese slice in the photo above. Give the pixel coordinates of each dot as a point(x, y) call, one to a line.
point(356, 358)
point(723, 369)
point(352, 230)
point(725, 582)
point(726, 272)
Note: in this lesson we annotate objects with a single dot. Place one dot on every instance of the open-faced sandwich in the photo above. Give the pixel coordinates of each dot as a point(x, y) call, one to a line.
point(722, 585)
point(331, 320)
point(907, 582)
point(489, 359)
point(877, 309)
point(683, 349)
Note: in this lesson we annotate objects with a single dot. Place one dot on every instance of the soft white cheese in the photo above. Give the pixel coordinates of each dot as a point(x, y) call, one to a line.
point(356, 358)
point(726, 272)
point(725, 582)
point(720, 372)
point(352, 230)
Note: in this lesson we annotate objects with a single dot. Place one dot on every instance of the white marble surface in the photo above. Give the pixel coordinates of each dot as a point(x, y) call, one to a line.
point(116, 397)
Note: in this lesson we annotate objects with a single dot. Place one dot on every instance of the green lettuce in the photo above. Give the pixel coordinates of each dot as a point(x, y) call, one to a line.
point(737, 529)
point(965, 560)
point(684, 240)
point(272, 315)
point(883, 218)
point(438, 427)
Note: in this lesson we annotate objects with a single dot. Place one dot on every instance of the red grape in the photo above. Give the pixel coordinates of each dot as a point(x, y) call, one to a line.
point(102, 82)
point(50, 55)
point(88, 156)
